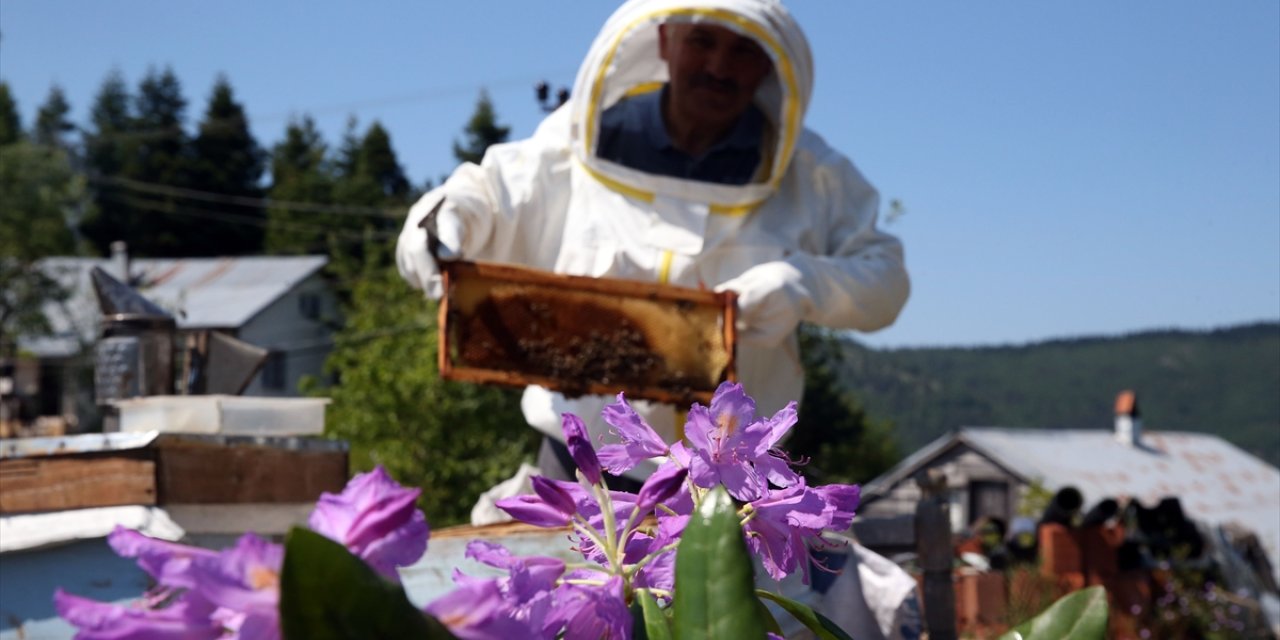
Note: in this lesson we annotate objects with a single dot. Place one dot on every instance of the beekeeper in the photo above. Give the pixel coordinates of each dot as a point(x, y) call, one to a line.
point(681, 158)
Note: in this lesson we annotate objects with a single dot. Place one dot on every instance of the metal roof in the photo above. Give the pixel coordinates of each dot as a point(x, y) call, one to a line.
point(1215, 481)
point(202, 293)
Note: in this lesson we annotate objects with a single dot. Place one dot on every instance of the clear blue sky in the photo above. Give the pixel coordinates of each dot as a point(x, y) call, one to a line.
point(1068, 169)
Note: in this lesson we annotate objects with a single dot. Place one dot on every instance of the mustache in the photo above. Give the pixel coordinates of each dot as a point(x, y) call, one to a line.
point(706, 80)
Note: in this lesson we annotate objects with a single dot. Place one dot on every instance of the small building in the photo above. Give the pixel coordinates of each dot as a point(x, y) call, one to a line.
point(280, 303)
point(989, 470)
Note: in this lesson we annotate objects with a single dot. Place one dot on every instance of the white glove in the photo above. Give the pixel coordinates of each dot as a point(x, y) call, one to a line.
point(413, 255)
point(772, 300)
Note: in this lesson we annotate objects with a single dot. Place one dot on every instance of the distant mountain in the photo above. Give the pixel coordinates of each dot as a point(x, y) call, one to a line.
point(1225, 382)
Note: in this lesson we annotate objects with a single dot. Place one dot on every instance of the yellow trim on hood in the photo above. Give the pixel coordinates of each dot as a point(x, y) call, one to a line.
point(790, 107)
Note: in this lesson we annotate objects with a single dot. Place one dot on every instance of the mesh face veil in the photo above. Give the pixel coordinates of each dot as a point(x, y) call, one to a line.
point(625, 60)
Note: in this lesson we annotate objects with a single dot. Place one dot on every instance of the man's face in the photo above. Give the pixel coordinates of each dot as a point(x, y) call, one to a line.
point(714, 73)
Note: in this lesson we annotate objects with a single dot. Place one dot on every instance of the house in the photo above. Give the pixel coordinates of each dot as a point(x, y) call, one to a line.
point(280, 303)
point(989, 470)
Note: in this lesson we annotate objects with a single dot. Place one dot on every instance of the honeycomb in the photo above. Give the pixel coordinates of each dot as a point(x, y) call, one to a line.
point(514, 326)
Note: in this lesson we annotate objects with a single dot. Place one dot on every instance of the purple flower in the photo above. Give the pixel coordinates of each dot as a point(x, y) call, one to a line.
point(663, 484)
point(554, 495)
point(244, 578)
point(516, 604)
point(553, 504)
point(477, 610)
point(168, 562)
point(529, 575)
point(842, 501)
point(590, 612)
point(724, 448)
point(375, 518)
point(639, 441)
point(188, 617)
point(533, 510)
point(772, 464)
point(780, 525)
point(580, 449)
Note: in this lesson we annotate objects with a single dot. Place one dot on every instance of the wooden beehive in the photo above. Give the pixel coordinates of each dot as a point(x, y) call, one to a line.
point(507, 325)
point(99, 470)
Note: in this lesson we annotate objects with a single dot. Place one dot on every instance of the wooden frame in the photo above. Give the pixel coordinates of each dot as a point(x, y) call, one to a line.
point(651, 314)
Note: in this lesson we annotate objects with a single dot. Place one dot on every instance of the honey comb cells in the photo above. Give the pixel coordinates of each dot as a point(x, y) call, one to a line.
point(514, 326)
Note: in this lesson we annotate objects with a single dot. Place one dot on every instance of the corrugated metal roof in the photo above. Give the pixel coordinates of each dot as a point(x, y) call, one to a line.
point(202, 293)
point(1215, 481)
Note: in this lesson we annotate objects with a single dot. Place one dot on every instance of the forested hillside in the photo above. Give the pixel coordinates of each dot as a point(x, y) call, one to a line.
point(1225, 382)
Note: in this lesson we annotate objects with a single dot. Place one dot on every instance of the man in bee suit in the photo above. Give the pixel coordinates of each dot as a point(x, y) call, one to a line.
point(681, 158)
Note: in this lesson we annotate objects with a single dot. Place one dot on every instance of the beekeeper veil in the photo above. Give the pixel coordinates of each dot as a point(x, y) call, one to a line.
point(625, 61)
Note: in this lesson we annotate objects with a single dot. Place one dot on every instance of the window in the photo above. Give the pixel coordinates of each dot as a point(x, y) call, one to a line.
point(988, 498)
point(273, 371)
point(309, 306)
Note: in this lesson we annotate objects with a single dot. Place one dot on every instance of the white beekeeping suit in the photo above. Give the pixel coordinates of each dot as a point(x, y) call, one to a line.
point(798, 243)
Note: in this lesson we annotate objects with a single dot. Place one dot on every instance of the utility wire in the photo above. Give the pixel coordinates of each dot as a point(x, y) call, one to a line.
point(350, 235)
point(221, 198)
point(373, 103)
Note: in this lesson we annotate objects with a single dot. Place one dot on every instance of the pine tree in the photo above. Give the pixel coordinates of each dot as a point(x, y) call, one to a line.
point(369, 176)
point(300, 173)
point(52, 126)
point(378, 161)
point(10, 121)
point(228, 162)
point(109, 146)
point(456, 440)
point(481, 131)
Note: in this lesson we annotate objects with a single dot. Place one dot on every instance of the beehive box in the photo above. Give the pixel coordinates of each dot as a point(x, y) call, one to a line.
point(153, 468)
point(507, 325)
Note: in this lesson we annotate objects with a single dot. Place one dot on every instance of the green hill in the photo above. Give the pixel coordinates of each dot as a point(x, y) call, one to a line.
point(1224, 382)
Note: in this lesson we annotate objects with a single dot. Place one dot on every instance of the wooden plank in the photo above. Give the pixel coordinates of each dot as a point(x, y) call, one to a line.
point(201, 474)
point(76, 482)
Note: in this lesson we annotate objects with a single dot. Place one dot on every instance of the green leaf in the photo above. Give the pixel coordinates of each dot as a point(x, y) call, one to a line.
point(651, 621)
point(327, 593)
point(770, 622)
point(821, 626)
point(715, 589)
point(1079, 615)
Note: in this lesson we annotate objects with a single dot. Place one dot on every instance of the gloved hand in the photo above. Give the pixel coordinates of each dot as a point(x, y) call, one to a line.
point(439, 231)
point(772, 300)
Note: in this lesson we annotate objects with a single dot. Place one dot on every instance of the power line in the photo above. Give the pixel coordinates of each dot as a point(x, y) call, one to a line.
point(234, 218)
point(221, 198)
point(372, 103)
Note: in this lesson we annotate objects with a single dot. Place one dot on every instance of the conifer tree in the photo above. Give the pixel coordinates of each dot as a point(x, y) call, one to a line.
point(378, 161)
point(109, 145)
point(228, 162)
point(10, 121)
point(53, 126)
point(481, 131)
point(300, 173)
point(368, 176)
point(453, 439)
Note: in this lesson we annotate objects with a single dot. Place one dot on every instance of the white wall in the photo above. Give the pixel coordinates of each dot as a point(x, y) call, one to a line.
point(303, 343)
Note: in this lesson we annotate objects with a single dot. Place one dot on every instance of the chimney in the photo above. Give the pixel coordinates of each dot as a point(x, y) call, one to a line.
point(1128, 420)
point(120, 261)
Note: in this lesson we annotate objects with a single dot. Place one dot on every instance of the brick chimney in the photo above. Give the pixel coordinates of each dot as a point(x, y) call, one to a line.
point(1128, 420)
